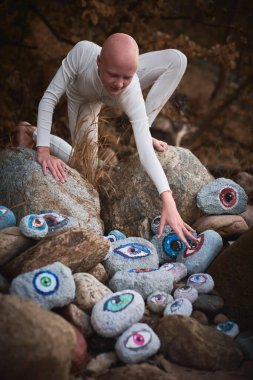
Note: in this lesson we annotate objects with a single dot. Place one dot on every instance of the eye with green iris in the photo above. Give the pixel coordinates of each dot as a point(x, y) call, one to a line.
point(46, 282)
point(119, 302)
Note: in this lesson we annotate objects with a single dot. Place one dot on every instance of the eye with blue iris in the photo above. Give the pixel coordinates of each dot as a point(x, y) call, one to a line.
point(176, 305)
point(46, 283)
point(118, 303)
point(198, 279)
point(225, 326)
point(36, 222)
point(172, 245)
point(138, 339)
point(132, 251)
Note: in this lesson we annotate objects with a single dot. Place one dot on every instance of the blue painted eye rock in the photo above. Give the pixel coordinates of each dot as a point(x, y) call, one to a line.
point(116, 312)
point(178, 270)
point(181, 306)
point(50, 286)
point(229, 328)
point(168, 247)
point(144, 281)
point(155, 225)
point(33, 226)
point(157, 301)
point(188, 292)
point(137, 343)
point(222, 196)
point(130, 253)
point(115, 235)
point(7, 218)
point(201, 252)
point(57, 222)
point(202, 282)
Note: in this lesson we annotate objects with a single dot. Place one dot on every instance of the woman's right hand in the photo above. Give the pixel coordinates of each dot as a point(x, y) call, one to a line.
point(55, 165)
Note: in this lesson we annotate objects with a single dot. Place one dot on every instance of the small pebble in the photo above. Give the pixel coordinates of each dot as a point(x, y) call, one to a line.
point(180, 306)
point(203, 282)
point(157, 301)
point(115, 235)
point(220, 318)
point(33, 226)
point(188, 292)
point(209, 303)
point(7, 218)
point(102, 362)
point(200, 317)
point(229, 328)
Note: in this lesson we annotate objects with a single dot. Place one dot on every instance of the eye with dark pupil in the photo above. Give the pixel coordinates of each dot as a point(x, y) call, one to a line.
point(194, 245)
point(176, 245)
point(132, 250)
point(51, 221)
point(37, 221)
point(228, 197)
point(116, 299)
point(159, 297)
point(186, 287)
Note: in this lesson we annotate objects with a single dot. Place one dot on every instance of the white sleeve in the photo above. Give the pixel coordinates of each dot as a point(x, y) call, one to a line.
point(134, 106)
point(70, 67)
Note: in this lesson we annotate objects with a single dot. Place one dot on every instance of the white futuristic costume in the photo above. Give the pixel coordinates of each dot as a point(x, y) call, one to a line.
point(78, 77)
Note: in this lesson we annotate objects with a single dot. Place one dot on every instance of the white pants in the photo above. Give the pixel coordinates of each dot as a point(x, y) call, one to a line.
point(162, 70)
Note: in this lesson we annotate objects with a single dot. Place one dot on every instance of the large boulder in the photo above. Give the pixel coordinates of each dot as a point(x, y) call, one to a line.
point(77, 248)
point(34, 343)
point(232, 274)
point(22, 183)
point(131, 199)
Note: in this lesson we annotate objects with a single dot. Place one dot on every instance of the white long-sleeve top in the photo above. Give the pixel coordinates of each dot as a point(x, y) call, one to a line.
point(78, 77)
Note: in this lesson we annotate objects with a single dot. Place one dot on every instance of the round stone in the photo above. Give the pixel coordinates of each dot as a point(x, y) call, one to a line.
point(130, 253)
point(115, 313)
point(188, 292)
point(115, 235)
point(33, 226)
point(137, 343)
point(229, 328)
point(57, 222)
point(155, 225)
point(222, 196)
point(201, 252)
point(157, 301)
point(7, 218)
point(181, 306)
point(145, 281)
point(178, 270)
point(203, 282)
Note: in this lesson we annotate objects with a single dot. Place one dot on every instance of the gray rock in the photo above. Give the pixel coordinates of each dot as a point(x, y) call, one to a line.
point(20, 172)
point(56, 221)
point(188, 292)
point(201, 252)
point(130, 253)
point(115, 313)
point(209, 303)
point(144, 281)
point(155, 225)
point(115, 235)
point(137, 343)
point(222, 196)
point(50, 286)
point(180, 306)
point(157, 301)
point(178, 270)
point(229, 328)
point(7, 218)
point(245, 342)
point(203, 282)
point(168, 247)
point(126, 210)
point(33, 226)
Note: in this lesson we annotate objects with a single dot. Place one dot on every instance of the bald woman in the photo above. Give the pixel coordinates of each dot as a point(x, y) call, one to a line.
point(114, 75)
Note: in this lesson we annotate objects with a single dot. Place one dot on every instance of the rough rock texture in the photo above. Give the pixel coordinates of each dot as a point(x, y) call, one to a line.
point(232, 273)
point(89, 291)
point(246, 181)
point(134, 197)
point(79, 249)
point(226, 225)
point(172, 371)
point(209, 303)
point(20, 172)
point(12, 243)
point(99, 273)
point(189, 343)
point(248, 215)
point(78, 318)
point(40, 342)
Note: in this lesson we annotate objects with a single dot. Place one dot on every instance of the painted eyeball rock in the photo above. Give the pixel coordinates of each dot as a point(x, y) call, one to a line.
point(222, 196)
point(201, 252)
point(115, 235)
point(50, 286)
point(181, 306)
point(168, 247)
point(143, 280)
point(130, 253)
point(155, 225)
point(229, 328)
point(178, 270)
point(157, 301)
point(203, 282)
point(137, 343)
point(116, 312)
point(188, 292)
point(57, 222)
point(7, 218)
point(33, 226)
